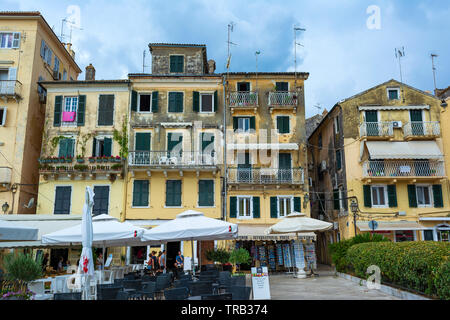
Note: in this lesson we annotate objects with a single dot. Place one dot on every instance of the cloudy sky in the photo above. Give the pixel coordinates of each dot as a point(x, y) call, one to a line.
point(348, 45)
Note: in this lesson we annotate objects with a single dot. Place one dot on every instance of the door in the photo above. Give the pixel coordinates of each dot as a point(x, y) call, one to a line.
point(174, 142)
point(101, 200)
point(142, 148)
point(244, 167)
point(284, 167)
point(372, 123)
point(171, 253)
point(207, 154)
point(416, 122)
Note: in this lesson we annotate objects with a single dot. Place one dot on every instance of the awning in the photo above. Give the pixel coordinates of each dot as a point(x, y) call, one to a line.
point(404, 150)
point(262, 146)
point(257, 232)
point(394, 107)
point(10, 231)
point(390, 225)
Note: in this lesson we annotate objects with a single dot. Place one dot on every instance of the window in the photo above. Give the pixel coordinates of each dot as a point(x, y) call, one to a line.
point(393, 93)
point(379, 196)
point(282, 86)
point(320, 141)
point(173, 193)
point(69, 114)
point(106, 110)
point(9, 40)
point(243, 86)
point(284, 206)
point(342, 200)
point(336, 124)
point(62, 200)
point(177, 64)
point(56, 66)
point(46, 53)
point(144, 102)
point(283, 124)
point(101, 200)
point(244, 124)
point(338, 160)
point(424, 197)
point(206, 102)
point(102, 147)
point(64, 75)
point(66, 147)
point(404, 235)
point(428, 235)
point(140, 193)
point(175, 102)
point(2, 116)
point(244, 207)
point(206, 193)
point(443, 233)
point(142, 141)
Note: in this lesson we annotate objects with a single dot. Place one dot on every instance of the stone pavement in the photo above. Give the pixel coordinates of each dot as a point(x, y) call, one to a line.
point(324, 287)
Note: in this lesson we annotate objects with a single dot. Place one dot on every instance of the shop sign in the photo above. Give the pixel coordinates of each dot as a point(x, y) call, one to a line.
point(260, 283)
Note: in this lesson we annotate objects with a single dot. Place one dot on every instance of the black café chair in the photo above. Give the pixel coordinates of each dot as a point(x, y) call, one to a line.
point(223, 296)
point(148, 290)
point(132, 284)
point(240, 292)
point(238, 281)
point(109, 293)
point(199, 288)
point(176, 294)
point(67, 296)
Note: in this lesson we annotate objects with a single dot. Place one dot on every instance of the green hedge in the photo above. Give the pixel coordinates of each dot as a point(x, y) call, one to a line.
point(420, 266)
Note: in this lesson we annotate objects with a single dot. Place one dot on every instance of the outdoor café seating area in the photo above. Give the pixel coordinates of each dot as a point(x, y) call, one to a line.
point(133, 282)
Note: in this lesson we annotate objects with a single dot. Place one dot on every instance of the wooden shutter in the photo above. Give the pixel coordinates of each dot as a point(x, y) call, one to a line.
point(173, 139)
point(172, 102)
point(280, 124)
point(392, 196)
point(281, 86)
point(155, 101)
point(437, 196)
point(252, 123)
point(173, 193)
point(412, 197)
point(233, 207)
point(81, 110)
point(216, 101)
point(101, 200)
point(172, 64)
point(106, 110)
point(57, 111)
point(180, 64)
point(70, 147)
point(273, 207)
point(195, 101)
point(16, 40)
point(42, 48)
point(107, 147)
point(297, 204)
point(338, 159)
point(256, 208)
point(142, 142)
point(206, 193)
point(235, 123)
point(367, 196)
point(62, 200)
point(336, 199)
point(140, 193)
point(94, 147)
point(62, 147)
point(133, 100)
point(179, 102)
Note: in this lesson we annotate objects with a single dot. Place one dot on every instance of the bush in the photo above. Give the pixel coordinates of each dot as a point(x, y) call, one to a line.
point(240, 256)
point(22, 267)
point(338, 250)
point(218, 255)
point(419, 266)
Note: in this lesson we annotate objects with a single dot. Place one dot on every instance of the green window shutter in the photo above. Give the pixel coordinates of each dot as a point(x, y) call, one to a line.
point(297, 204)
point(57, 112)
point(280, 124)
point(286, 125)
point(216, 101)
point(106, 110)
point(233, 207)
point(206, 193)
point(252, 123)
point(412, 196)
point(338, 159)
point(140, 193)
point(70, 148)
point(392, 196)
point(207, 139)
point(235, 123)
point(133, 100)
point(256, 208)
point(94, 145)
point(437, 195)
point(367, 196)
point(195, 101)
point(179, 102)
point(62, 147)
point(107, 147)
point(172, 64)
point(176, 64)
point(173, 139)
point(142, 142)
point(336, 199)
point(273, 207)
point(180, 64)
point(155, 101)
point(81, 110)
point(173, 193)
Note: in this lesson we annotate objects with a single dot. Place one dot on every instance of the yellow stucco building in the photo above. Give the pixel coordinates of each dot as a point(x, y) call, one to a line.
point(29, 52)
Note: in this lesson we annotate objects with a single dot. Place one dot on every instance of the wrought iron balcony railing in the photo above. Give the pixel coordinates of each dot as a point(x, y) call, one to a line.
point(243, 99)
point(282, 98)
point(376, 129)
point(171, 159)
point(403, 168)
point(422, 128)
point(10, 88)
point(266, 176)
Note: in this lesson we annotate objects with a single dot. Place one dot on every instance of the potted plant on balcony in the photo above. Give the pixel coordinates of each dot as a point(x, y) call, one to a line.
point(117, 167)
point(68, 159)
point(80, 167)
point(118, 159)
point(80, 159)
point(92, 159)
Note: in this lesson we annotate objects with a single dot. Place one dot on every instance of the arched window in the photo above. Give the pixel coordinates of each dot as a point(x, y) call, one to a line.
point(443, 232)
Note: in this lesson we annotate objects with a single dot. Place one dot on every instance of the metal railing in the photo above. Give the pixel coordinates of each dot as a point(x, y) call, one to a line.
point(243, 99)
point(282, 98)
point(171, 159)
point(422, 128)
point(376, 129)
point(403, 168)
point(266, 175)
point(10, 87)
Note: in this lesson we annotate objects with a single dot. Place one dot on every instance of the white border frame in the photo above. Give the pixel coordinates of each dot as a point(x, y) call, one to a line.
point(386, 199)
point(71, 198)
point(132, 193)
point(63, 106)
point(103, 136)
point(139, 101)
point(200, 93)
point(398, 93)
point(279, 203)
point(237, 207)
point(430, 192)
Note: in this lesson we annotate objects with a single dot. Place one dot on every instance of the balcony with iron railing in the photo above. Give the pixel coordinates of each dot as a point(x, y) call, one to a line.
point(421, 129)
point(264, 176)
point(403, 169)
point(167, 159)
point(10, 88)
point(376, 130)
point(282, 99)
point(243, 99)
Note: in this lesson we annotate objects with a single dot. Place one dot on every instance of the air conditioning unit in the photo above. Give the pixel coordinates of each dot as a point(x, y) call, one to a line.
point(396, 124)
point(56, 75)
point(323, 165)
point(402, 213)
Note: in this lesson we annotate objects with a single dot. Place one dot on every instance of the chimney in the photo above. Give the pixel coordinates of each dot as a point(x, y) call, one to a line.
point(69, 49)
point(90, 73)
point(211, 66)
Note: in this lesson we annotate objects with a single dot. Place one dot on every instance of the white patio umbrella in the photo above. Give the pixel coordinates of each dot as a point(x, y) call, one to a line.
point(192, 225)
point(86, 265)
point(297, 222)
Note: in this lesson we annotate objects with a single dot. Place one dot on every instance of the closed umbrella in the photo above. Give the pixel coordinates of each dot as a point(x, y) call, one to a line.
point(297, 222)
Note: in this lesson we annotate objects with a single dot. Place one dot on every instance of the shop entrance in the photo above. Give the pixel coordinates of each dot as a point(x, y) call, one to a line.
point(172, 251)
point(138, 255)
point(56, 255)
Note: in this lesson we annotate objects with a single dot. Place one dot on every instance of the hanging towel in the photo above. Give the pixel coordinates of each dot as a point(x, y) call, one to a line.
point(69, 116)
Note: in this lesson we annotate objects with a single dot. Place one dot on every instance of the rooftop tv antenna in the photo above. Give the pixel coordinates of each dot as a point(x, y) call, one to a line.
point(318, 107)
point(72, 25)
point(143, 62)
point(256, 57)
point(433, 55)
point(295, 52)
point(399, 54)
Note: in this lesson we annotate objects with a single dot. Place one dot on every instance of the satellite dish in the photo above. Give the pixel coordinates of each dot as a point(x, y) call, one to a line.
point(30, 204)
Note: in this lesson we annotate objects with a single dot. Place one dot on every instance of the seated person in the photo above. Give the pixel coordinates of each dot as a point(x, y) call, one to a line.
point(179, 260)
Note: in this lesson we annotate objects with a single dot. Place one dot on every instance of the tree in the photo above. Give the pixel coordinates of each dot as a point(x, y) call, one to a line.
point(240, 256)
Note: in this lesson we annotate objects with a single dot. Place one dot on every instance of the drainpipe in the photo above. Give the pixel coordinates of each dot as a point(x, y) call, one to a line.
point(224, 202)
